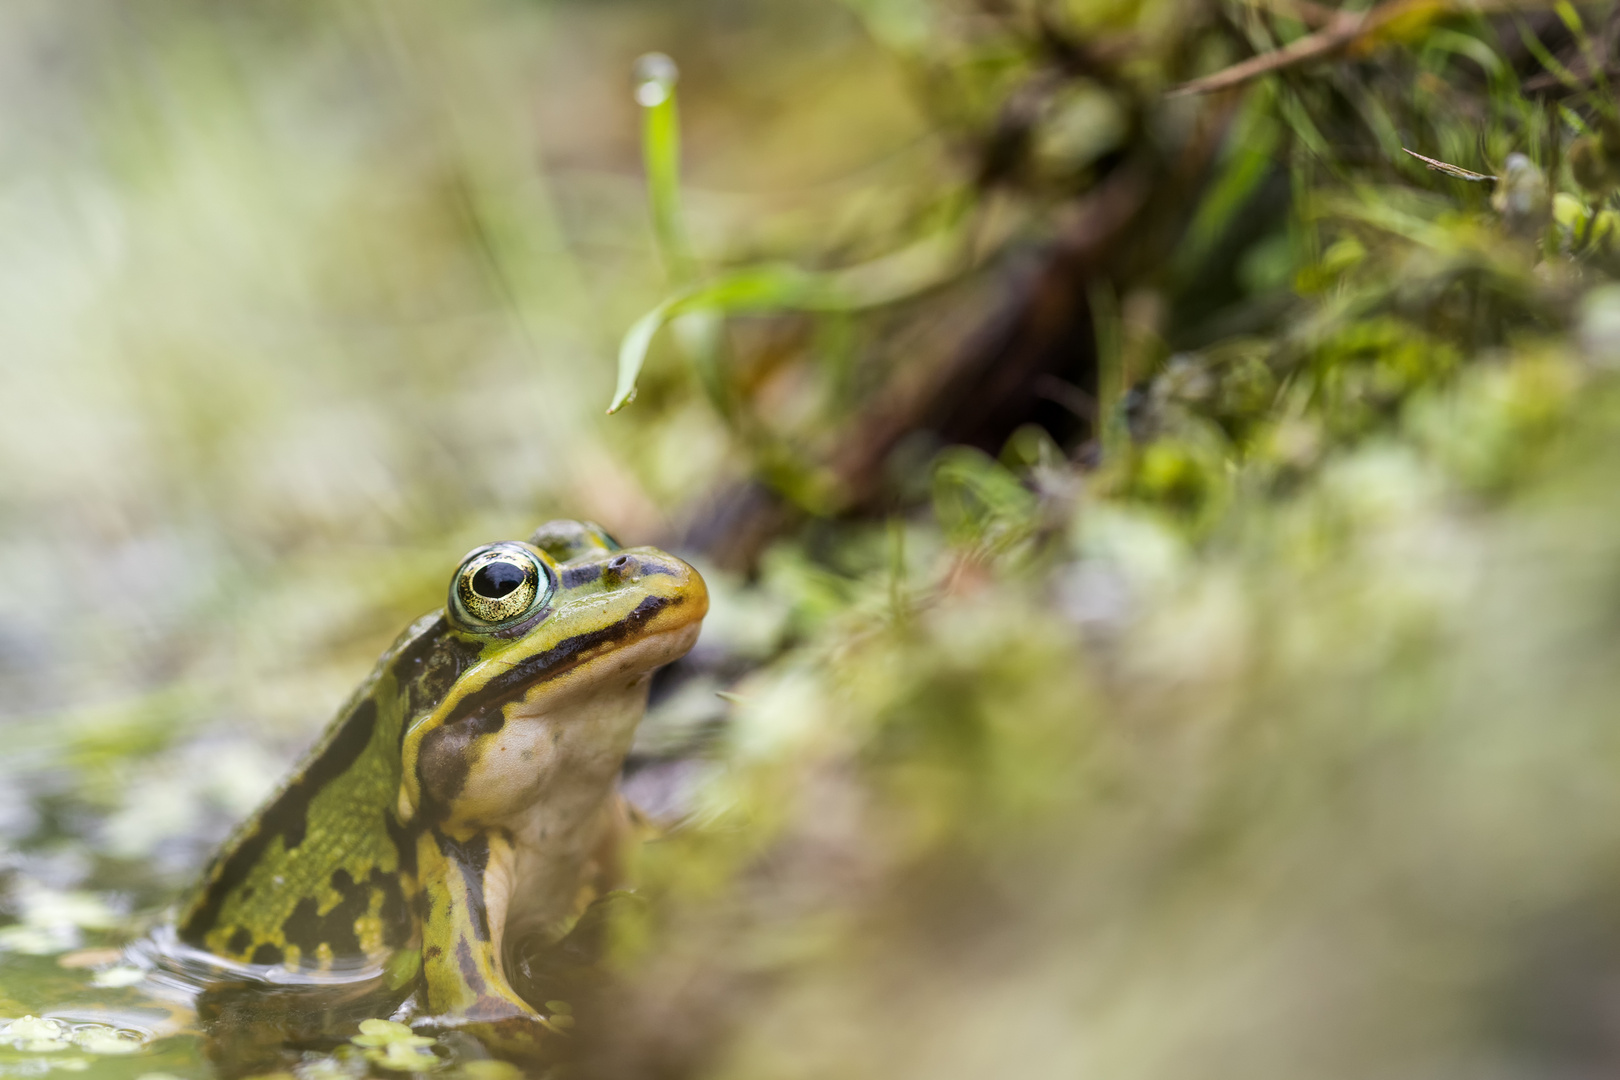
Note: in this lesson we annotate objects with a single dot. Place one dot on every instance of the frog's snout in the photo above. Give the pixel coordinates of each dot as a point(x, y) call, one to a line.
point(659, 574)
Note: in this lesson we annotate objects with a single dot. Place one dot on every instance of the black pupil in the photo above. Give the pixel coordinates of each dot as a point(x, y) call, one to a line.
point(494, 580)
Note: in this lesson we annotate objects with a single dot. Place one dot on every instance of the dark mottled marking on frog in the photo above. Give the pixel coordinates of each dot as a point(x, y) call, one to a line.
point(395, 911)
point(239, 941)
point(487, 1006)
point(308, 929)
point(470, 975)
point(431, 665)
point(287, 817)
point(442, 765)
point(404, 839)
point(433, 952)
point(266, 954)
point(469, 966)
point(575, 576)
point(472, 859)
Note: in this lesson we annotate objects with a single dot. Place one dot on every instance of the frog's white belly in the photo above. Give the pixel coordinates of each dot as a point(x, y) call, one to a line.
point(555, 839)
point(558, 758)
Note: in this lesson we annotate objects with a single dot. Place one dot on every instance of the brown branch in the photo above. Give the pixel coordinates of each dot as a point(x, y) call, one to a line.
point(1338, 35)
point(1346, 29)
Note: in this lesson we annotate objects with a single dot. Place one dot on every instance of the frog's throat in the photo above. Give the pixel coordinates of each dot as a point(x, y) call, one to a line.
point(439, 751)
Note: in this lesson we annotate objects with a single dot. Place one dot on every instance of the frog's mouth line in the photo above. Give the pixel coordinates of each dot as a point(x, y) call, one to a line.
point(484, 706)
point(641, 659)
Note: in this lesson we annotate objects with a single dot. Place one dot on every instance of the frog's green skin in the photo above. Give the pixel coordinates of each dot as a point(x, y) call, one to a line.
point(464, 796)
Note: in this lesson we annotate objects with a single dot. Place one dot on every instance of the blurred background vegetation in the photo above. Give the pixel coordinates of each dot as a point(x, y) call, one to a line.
point(1163, 533)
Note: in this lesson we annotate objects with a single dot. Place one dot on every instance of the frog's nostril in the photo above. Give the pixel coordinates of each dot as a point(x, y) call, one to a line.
point(619, 562)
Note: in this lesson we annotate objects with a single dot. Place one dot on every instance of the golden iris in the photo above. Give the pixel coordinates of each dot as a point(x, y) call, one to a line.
point(497, 584)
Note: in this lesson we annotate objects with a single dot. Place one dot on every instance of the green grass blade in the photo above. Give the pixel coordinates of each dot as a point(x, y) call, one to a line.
point(777, 287)
point(655, 78)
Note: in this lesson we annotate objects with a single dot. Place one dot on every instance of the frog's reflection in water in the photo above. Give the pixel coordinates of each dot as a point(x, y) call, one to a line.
point(253, 1026)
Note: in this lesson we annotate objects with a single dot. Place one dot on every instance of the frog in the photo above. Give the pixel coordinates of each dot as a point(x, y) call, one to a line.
point(465, 797)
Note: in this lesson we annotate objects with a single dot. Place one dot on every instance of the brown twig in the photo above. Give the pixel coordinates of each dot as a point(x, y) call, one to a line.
point(1339, 34)
point(1345, 29)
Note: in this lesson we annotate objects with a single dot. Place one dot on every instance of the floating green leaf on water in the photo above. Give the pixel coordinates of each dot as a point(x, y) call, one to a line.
point(36, 1034)
point(105, 1040)
point(401, 1057)
point(117, 977)
point(36, 940)
point(382, 1032)
point(52, 920)
point(394, 1046)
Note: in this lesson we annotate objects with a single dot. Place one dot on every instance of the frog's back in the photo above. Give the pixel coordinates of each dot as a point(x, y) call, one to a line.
point(321, 878)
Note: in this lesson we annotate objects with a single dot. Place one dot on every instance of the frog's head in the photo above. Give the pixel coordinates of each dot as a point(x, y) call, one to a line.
point(530, 684)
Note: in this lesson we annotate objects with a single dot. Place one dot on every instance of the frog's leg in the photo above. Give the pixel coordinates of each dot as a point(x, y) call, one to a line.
point(465, 886)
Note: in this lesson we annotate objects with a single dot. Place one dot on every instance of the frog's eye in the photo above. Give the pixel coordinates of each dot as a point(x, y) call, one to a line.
point(498, 584)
